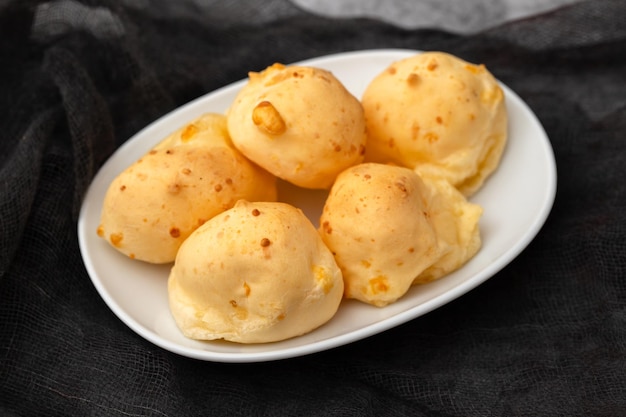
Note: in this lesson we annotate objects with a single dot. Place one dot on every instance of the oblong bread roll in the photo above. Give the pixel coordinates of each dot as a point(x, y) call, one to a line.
point(389, 229)
point(299, 123)
point(440, 115)
point(256, 273)
point(192, 175)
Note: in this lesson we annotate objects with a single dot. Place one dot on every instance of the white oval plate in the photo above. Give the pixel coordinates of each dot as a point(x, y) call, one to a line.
point(516, 199)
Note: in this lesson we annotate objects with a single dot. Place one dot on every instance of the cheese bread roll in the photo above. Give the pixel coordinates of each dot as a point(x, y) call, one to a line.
point(256, 273)
point(389, 229)
point(154, 205)
point(299, 123)
point(437, 114)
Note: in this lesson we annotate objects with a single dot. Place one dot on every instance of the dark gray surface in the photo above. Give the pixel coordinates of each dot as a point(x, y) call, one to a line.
point(544, 337)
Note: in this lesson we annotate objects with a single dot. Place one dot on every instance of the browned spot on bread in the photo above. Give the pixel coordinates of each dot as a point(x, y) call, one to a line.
point(188, 132)
point(267, 118)
point(116, 239)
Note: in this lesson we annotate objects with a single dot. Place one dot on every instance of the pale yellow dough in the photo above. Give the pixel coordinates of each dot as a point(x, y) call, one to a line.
point(256, 273)
point(437, 114)
point(389, 229)
point(299, 123)
point(192, 175)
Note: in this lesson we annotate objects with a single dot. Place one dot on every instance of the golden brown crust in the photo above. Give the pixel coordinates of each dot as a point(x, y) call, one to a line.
point(191, 176)
point(299, 123)
point(390, 229)
point(439, 115)
point(263, 275)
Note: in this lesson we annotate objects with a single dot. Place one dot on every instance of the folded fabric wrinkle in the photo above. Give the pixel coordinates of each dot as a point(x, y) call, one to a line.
point(56, 18)
point(458, 16)
point(545, 336)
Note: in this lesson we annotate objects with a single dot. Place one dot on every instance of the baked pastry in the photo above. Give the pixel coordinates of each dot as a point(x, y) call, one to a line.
point(437, 114)
point(389, 229)
point(299, 123)
point(192, 175)
point(258, 272)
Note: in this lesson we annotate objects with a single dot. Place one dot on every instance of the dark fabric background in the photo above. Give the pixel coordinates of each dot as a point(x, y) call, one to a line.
point(544, 337)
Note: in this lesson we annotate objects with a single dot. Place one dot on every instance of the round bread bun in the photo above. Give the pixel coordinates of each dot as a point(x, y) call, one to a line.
point(299, 123)
point(387, 228)
point(192, 175)
point(437, 114)
point(256, 273)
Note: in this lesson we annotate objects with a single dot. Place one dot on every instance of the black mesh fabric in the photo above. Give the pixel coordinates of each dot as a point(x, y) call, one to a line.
point(546, 336)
